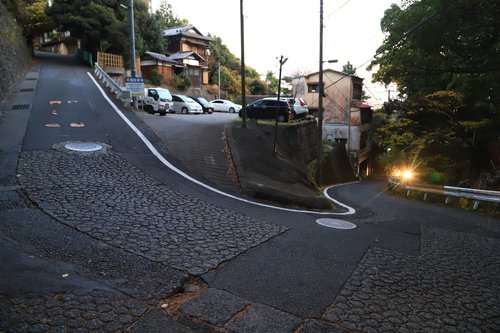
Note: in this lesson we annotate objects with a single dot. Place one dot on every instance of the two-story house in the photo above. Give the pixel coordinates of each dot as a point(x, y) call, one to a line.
point(345, 117)
point(187, 53)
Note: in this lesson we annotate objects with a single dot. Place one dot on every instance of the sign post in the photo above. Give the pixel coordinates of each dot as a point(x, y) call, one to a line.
point(135, 85)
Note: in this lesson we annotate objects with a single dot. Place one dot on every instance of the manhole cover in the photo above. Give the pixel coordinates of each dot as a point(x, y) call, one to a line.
point(83, 146)
point(336, 223)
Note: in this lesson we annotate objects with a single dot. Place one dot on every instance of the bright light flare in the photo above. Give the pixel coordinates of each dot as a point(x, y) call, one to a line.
point(407, 175)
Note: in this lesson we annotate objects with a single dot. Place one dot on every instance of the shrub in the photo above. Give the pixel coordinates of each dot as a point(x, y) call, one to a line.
point(156, 78)
point(181, 82)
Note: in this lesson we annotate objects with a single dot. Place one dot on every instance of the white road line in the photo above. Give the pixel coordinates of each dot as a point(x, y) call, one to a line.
point(169, 165)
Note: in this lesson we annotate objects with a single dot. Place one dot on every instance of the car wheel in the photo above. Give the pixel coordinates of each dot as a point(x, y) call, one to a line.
point(184, 110)
point(163, 113)
point(149, 109)
point(231, 110)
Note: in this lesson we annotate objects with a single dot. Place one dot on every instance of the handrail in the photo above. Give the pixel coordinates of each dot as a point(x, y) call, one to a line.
point(121, 93)
point(451, 191)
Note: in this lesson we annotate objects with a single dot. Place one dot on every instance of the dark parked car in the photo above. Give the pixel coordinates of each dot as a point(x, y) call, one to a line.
point(266, 109)
point(206, 105)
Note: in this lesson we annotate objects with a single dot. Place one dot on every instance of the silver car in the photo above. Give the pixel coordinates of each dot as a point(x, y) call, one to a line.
point(185, 105)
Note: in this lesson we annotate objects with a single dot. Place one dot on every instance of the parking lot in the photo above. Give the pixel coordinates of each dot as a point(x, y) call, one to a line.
point(197, 142)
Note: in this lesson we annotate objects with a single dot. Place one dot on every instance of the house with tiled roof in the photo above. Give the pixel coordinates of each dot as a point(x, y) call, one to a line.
point(187, 53)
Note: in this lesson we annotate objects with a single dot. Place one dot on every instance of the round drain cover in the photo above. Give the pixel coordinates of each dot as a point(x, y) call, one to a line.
point(335, 223)
point(83, 146)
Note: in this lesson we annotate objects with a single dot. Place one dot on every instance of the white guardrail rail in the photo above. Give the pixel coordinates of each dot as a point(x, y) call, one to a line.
point(450, 191)
point(121, 93)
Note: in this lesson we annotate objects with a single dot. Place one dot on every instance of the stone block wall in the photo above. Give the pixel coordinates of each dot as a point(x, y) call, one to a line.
point(15, 57)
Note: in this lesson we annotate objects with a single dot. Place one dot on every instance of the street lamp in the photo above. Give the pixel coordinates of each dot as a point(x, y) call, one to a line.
point(132, 35)
point(132, 42)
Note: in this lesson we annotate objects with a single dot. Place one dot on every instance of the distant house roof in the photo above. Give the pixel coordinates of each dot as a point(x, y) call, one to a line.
point(362, 106)
point(161, 57)
point(176, 58)
point(188, 30)
point(187, 54)
point(333, 71)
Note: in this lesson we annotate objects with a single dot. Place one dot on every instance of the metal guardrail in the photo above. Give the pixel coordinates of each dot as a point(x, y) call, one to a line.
point(450, 191)
point(121, 93)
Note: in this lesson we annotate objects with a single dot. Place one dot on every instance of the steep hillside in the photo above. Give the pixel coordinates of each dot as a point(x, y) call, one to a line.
point(15, 56)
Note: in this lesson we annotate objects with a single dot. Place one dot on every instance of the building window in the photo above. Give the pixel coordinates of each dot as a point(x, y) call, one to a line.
point(366, 115)
point(314, 87)
point(356, 91)
point(363, 140)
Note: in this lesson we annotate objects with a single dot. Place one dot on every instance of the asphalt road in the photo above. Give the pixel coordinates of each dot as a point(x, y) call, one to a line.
point(118, 227)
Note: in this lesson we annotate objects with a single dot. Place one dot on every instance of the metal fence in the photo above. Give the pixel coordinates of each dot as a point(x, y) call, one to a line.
point(120, 92)
point(448, 192)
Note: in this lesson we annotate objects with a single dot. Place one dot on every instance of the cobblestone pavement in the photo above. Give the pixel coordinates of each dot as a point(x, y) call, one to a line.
point(101, 311)
point(106, 197)
point(453, 286)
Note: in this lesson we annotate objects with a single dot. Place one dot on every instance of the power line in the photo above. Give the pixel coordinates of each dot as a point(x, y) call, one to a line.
point(339, 8)
point(401, 39)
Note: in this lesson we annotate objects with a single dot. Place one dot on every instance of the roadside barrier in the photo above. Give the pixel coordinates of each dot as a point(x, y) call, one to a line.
point(450, 191)
point(121, 93)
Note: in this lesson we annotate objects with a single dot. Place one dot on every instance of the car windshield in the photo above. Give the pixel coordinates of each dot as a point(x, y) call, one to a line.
point(190, 100)
point(164, 94)
point(202, 100)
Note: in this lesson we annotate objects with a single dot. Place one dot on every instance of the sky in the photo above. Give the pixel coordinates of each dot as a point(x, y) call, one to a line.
point(291, 28)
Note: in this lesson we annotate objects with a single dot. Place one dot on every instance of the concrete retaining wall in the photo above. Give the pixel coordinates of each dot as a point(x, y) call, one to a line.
point(15, 57)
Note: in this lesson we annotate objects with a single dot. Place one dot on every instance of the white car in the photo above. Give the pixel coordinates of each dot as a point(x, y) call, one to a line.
point(156, 99)
point(185, 105)
point(299, 106)
point(223, 105)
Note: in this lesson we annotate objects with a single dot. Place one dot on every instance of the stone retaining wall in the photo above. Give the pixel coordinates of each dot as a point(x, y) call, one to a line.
point(15, 57)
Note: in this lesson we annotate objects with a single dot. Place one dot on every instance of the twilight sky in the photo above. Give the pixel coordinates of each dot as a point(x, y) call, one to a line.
point(291, 28)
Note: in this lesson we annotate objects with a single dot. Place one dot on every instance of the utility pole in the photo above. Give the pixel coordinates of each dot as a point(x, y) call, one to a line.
point(320, 99)
point(219, 81)
point(132, 37)
point(132, 46)
point(282, 62)
point(243, 85)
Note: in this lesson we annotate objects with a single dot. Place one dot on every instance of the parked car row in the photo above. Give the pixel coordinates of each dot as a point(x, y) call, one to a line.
point(287, 108)
point(160, 100)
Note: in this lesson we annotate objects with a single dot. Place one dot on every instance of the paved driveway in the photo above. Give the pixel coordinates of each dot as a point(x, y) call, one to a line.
point(198, 143)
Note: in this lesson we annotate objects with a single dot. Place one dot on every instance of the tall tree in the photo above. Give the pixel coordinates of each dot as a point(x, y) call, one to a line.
point(31, 16)
point(349, 69)
point(445, 57)
point(103, 25)
point(167, 17)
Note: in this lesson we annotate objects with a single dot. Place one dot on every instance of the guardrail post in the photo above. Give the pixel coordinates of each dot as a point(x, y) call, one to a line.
point(476, 205)
point(447, 200)
point(408, 193)
point(425, 196)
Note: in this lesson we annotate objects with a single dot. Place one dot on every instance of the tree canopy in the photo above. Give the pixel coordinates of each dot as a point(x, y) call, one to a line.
point(349, 69)
point(231, 71)
point(102, 25)
point(445, 57)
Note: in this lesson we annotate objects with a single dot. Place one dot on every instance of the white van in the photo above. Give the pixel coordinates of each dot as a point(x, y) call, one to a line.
point(156, 99)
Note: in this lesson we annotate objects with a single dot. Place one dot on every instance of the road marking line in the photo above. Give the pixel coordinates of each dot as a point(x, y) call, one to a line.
point(162, 159)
